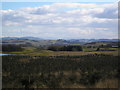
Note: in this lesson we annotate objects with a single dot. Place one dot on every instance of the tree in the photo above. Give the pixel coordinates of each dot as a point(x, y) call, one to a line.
point(98, 49)
point(10, 48)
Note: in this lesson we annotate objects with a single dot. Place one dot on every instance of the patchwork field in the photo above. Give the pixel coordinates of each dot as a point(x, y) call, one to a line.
point(32, 51)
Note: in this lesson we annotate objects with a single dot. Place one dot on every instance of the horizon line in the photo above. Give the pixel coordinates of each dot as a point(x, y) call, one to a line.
point(56, 38)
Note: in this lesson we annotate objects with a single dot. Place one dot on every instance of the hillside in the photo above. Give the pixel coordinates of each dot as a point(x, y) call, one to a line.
point(34, 41)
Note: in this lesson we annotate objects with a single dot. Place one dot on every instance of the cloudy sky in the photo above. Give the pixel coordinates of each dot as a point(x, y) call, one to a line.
point(60, 20)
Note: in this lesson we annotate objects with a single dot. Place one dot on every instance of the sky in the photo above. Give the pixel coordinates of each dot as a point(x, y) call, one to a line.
point(52, 20)
point(59, 0)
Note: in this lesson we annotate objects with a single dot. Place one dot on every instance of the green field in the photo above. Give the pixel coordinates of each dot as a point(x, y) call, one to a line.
point(33, 51)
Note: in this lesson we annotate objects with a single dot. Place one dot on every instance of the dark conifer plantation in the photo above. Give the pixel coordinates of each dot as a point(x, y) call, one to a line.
point(40, 72)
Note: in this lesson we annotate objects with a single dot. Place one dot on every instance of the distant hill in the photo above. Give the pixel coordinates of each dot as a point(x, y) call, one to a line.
point(94, 40)
point(10, 38)
point(64, 40)
point(39, 41)
point(29, 38)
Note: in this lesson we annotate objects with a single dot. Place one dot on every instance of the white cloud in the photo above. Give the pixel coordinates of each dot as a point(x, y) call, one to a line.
point(79, 20)
point(79, 5)
point(9, 23)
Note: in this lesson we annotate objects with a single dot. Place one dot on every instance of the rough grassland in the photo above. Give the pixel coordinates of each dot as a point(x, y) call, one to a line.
point(64, 53)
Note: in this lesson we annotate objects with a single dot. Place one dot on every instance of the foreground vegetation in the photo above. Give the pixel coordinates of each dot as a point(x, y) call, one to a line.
point(87, 71)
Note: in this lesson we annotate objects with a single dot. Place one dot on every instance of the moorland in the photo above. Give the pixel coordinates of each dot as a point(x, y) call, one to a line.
point(60, 63)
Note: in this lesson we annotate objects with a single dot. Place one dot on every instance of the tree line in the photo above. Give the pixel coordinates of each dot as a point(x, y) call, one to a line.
point(66, 48)
point(10, 48)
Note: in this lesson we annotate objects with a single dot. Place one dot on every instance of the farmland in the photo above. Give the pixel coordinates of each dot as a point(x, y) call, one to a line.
point(33, 51)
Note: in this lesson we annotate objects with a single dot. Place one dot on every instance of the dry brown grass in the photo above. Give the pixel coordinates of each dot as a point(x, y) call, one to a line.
point(24, 60)
point(75, 86)
point(109, 83)
point(78, 53)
